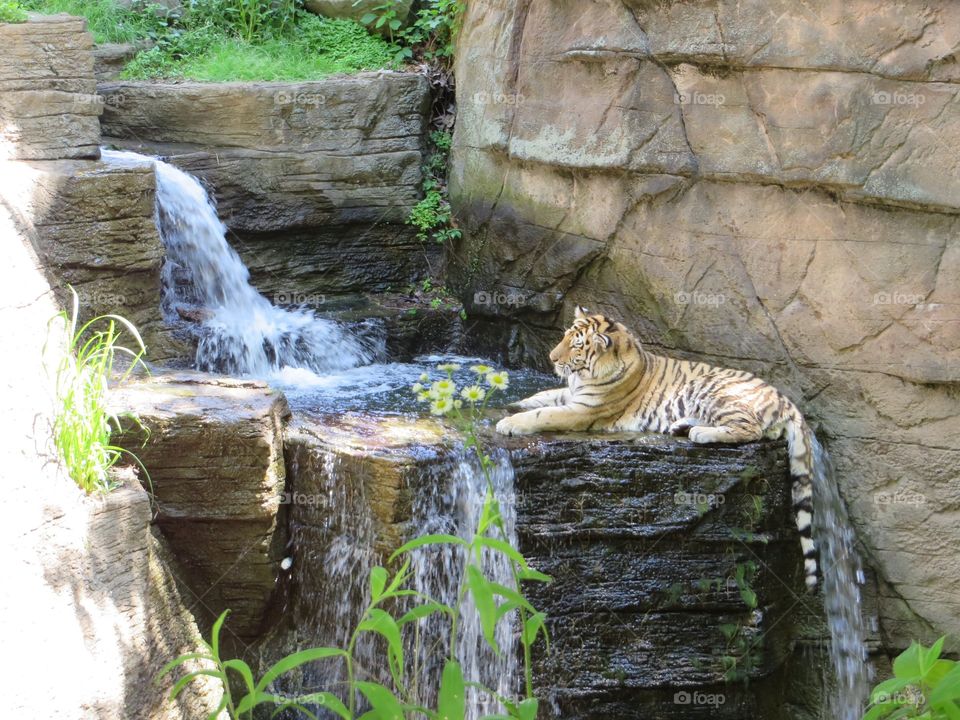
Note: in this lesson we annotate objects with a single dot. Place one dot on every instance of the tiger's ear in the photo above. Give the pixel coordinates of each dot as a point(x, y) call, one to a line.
point(580, 313)
point(603, 340)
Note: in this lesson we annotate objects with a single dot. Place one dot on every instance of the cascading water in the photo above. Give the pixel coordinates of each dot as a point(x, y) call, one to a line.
point(842, 577)
point(335, 541)
point(452, 508)
point(240, 331)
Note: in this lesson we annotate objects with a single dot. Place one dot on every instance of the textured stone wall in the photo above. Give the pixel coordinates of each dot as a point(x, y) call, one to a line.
point(765, 185)
point(48, 104)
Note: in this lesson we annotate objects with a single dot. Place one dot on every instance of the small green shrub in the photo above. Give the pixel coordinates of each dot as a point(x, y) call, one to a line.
point(12, 12)
point(83, 424)
point(432, 216)
point(923, 686)
point(431, 35)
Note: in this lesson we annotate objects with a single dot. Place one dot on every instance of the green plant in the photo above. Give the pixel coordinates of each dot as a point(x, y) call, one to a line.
point(12, 12)
point(110, 22)
point(83, 423)
point(394, 609)
point(431, 33)
point(924, 686)
point(432, 216)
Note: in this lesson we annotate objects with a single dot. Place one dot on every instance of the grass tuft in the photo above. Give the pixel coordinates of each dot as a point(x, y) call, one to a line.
point(83, 424)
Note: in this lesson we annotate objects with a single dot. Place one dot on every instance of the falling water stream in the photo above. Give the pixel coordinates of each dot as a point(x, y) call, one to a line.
point(240, 331)
point(842, 579)
point(313, 359)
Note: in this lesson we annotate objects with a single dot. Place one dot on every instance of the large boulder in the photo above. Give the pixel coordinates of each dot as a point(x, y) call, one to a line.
point(49, 108)
point(355, 9)
point(213, 452)
point(92, 226)
point(759, 184)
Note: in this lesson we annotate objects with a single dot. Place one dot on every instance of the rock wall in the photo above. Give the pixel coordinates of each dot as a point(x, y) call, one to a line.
point(48, 104)
point(91, 605)
point(213, 448)
point(314, 179)
point(647, 612)
point(764, 185)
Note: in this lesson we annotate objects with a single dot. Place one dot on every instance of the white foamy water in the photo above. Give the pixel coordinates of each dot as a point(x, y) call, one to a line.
point(453, 507)
point(842, 578)
point(239, 331)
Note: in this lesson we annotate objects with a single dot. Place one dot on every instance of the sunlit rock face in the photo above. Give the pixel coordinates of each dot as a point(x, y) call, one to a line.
point(92, 225)
point(313, 179)
point(762, 185)
point(49, 109)
point(214, 451)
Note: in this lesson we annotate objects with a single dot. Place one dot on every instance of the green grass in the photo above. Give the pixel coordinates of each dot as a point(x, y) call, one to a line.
point(12, 12)
point(106, 20)
point(318, 48)
point(210, 41)
point(83, 423)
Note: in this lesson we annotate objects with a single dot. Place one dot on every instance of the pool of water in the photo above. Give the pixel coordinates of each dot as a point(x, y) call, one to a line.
point(385, 388)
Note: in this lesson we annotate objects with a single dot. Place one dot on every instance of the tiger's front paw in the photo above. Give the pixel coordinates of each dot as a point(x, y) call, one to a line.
point(510, 426)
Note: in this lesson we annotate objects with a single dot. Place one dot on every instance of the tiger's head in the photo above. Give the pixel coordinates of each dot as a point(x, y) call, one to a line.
point(592, 347)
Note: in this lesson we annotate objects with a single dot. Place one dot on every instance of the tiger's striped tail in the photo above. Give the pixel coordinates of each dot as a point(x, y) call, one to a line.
point(800, 446)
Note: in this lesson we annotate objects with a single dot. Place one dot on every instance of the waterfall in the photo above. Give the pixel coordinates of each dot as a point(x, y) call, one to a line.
point(453, 507)
point(842, 577)
point(239, 332)
point(334, 543)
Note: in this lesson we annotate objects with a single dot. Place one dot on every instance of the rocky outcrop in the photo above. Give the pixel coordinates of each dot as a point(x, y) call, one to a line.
point(91, 593)
point(92, 226)
point(655, 547)
point(48, 104)
point(758, 184)
point(213, 451)
point(355, 9)
point(282, 156)
point(314, 179)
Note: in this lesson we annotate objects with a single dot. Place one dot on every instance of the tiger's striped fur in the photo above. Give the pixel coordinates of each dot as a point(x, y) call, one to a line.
point(613, 384)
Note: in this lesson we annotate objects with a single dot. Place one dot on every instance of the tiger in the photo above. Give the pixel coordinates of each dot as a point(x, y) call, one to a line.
point(614, 385)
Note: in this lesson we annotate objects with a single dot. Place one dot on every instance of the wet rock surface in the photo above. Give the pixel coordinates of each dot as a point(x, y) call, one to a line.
point(653, 544)
point(214, 453)
point(754, 184)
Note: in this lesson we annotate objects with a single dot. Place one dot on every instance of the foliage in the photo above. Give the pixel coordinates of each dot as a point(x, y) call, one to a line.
point(83, 424)
point(394, 610)
point(108, 21)
point(432, 216)
point(432, 34)
point(923, 685)
point(319, 47)
point(12, 12)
